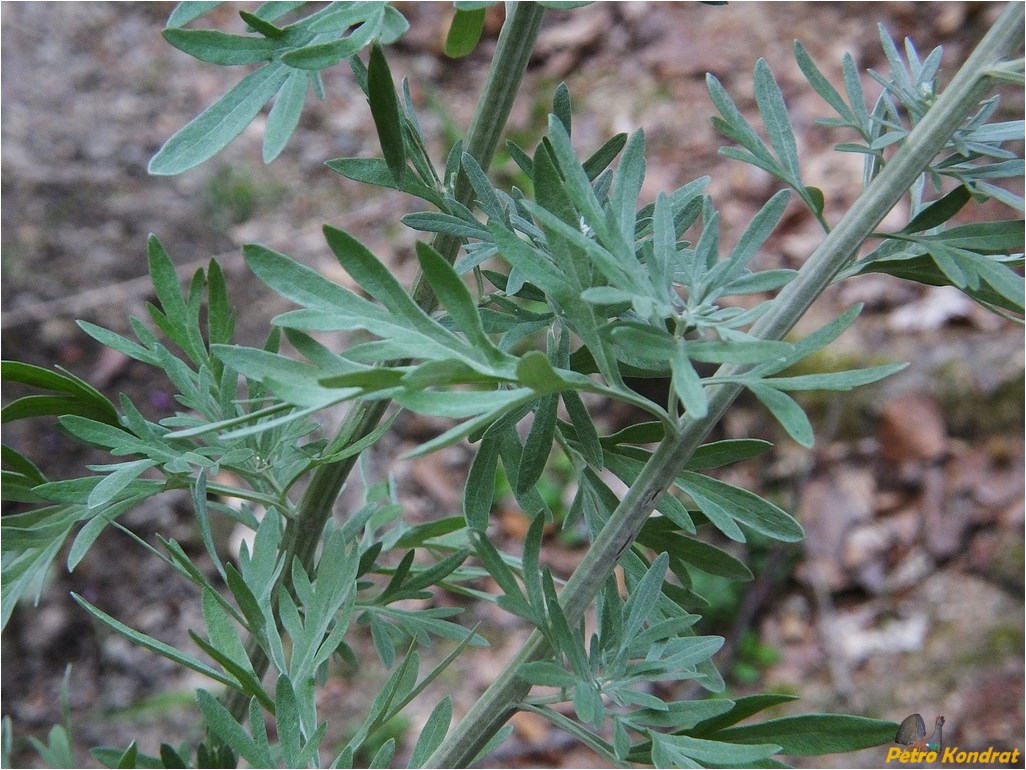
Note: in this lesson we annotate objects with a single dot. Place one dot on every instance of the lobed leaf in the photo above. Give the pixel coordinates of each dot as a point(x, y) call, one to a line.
point(377, 172)
point(153, 645)
point(719, 453)
point(513, 599)
point(742, 708)
point(659, 533)
point(599, 160)
point(810, 343)
point(221, 48)
point(642, 601)
point(775, 118)
point(82, 398)
point(630, 175)
point(734, 126)
point(672, 751)
point(211, 131)
point(687, 384)
point(940, 211)
point(821, 85)
point(588, 442)
point(456, 298)
point(257, 23)
point(220, 721)
point(742, 505)
point(111, 485)
point(318, 56)
point(378, 281)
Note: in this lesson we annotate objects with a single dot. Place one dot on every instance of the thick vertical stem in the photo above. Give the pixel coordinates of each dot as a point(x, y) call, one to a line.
point(503, 82)
point(499, 701)
point(303, 533)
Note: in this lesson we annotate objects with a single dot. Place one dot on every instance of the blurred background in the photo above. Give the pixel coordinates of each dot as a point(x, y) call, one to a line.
point(907, 594)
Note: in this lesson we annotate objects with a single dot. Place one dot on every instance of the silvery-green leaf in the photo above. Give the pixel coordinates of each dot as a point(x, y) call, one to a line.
point(845, 380)
point(763, 281)
point(742, 505)
point(587, 434)
point(447, 224)
point(661, 533)
point(629, 177)
point(79, 397)
point(673, 751)
point(216, 47)
point(775, 118)
point(378, 281)
point(149, 643)
point(579, 188)
point(821, 85)
point(222, 724)
point(787, 411)
point(688, 385)
point(376, 171)
point(642, 600)
point(734, 125)
point(318, 56)
point(456, 298)
point(284, 115)
point(811, 343)
point(480, 486)
point(748, 351)
point(210, 131)
point(183, 13)
point(538, 444)
point(758, 231)
point(561, 107)
point(383, 757)
point(547, 674)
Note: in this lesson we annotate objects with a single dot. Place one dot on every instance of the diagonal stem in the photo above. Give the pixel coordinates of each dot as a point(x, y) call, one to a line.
point(970, 84)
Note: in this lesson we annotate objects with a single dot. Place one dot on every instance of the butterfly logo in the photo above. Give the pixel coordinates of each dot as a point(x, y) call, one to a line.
point(912, 733)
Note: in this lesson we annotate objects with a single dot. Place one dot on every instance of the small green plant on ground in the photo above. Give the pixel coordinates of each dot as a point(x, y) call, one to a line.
point(526, 299)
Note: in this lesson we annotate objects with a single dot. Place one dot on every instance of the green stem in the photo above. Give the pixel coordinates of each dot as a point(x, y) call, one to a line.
point(500, 700)
point(226, 490)
point(503, 82)
point(303, 533)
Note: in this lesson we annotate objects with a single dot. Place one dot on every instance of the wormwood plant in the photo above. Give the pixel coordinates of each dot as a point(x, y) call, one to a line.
point(576, 287)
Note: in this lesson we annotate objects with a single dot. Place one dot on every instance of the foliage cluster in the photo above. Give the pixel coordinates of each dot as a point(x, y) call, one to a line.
point(528, 299)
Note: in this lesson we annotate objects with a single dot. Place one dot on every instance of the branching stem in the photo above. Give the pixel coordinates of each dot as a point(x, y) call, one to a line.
point(954, 105)
point(303, 533)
